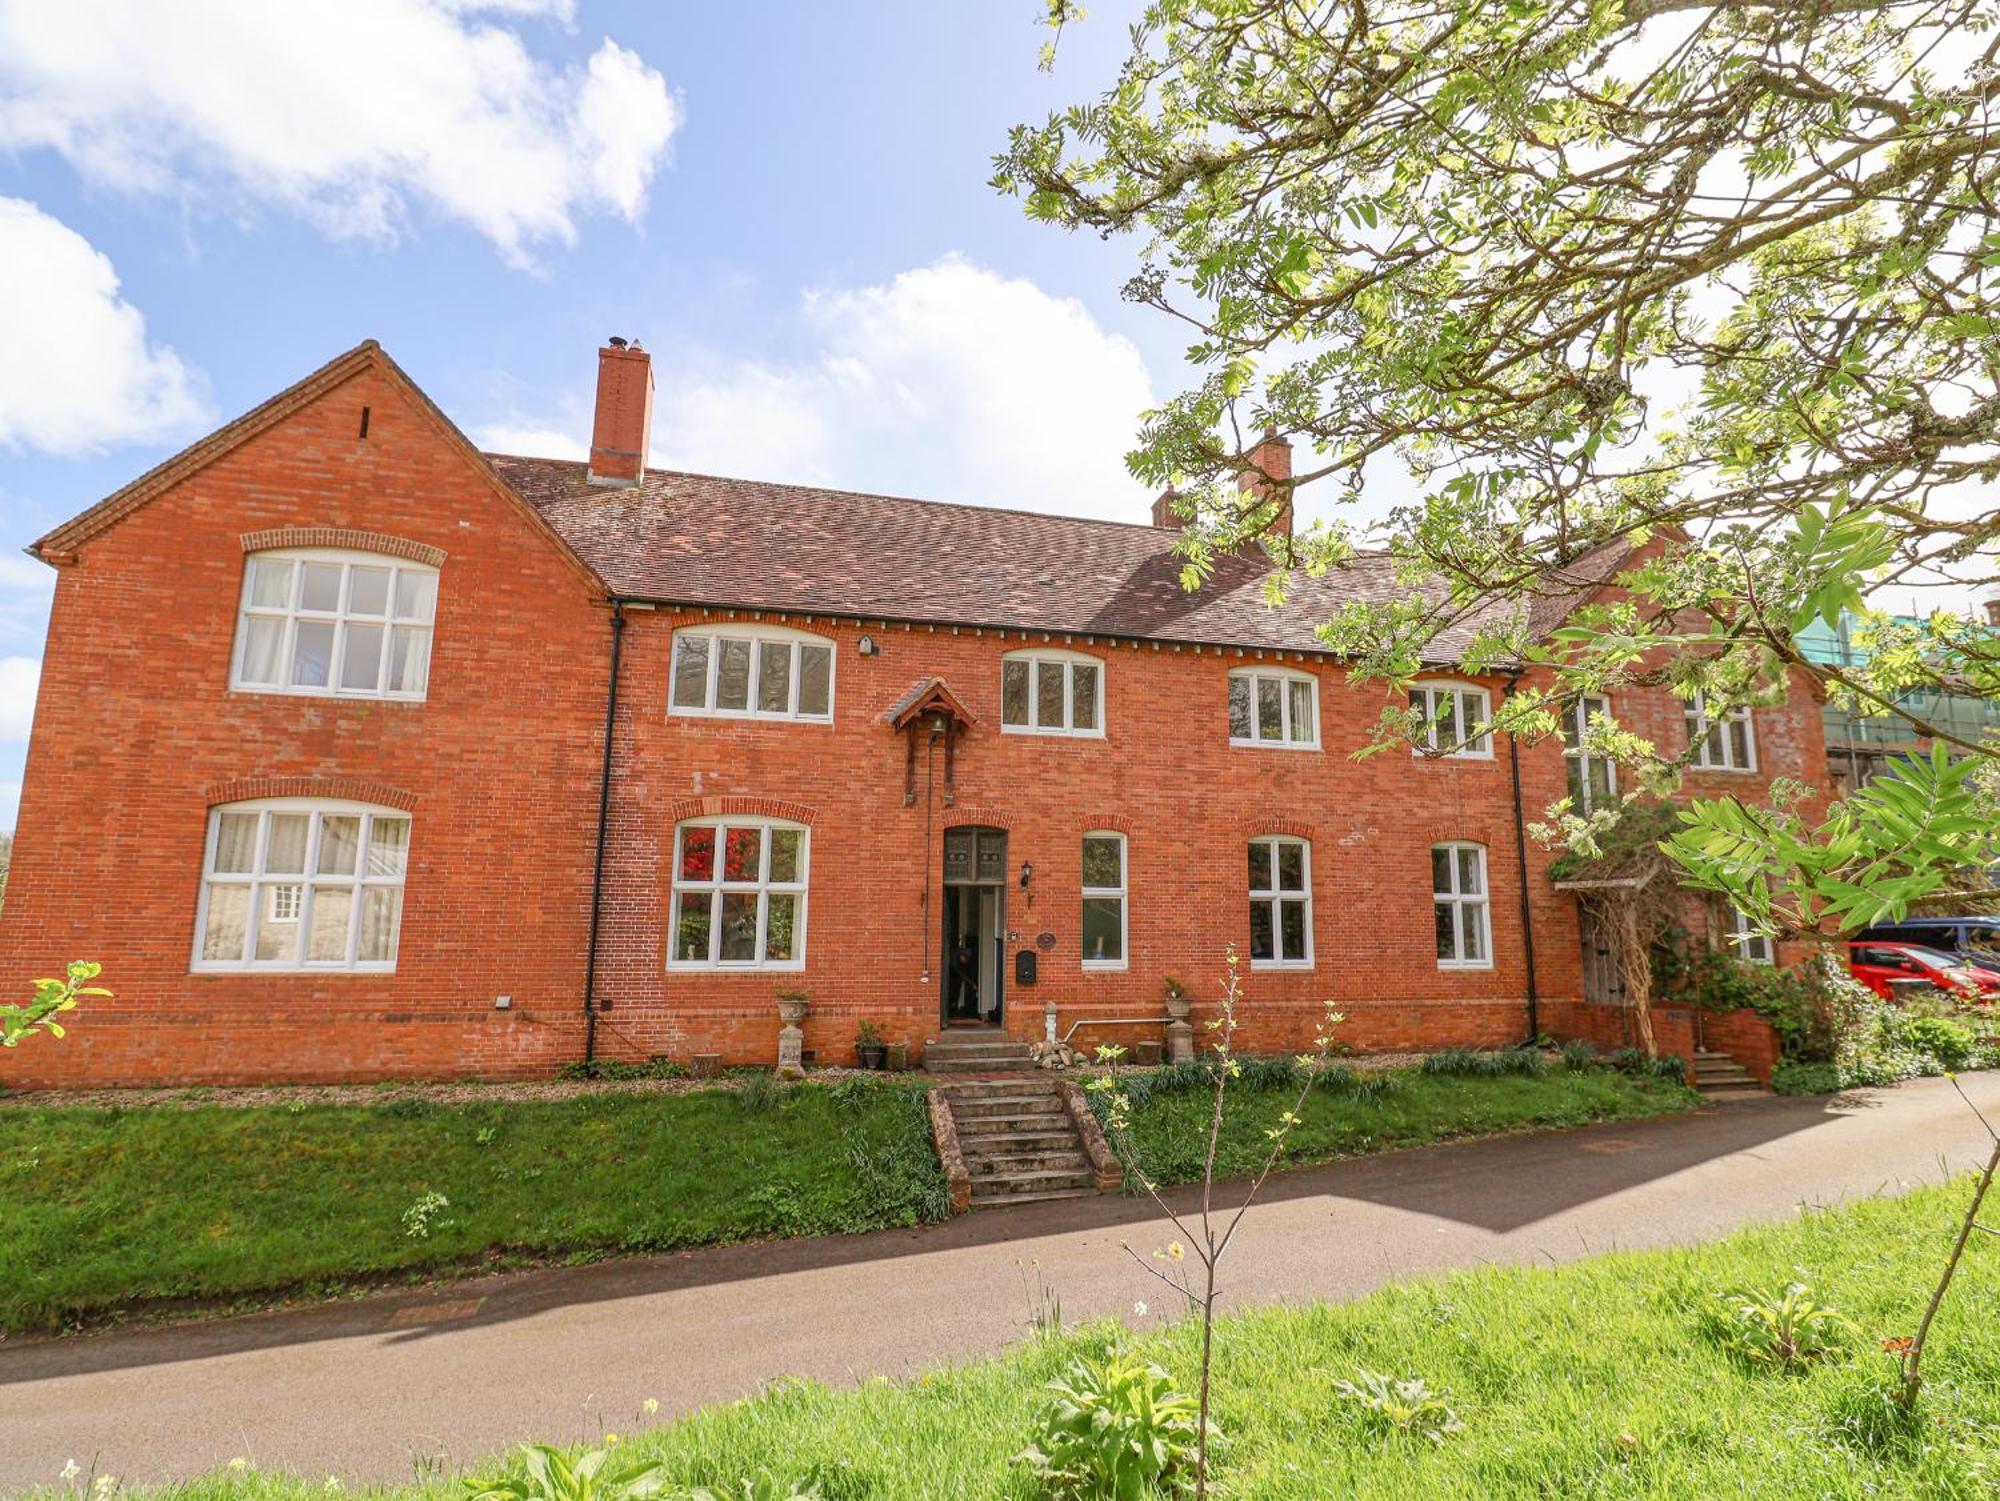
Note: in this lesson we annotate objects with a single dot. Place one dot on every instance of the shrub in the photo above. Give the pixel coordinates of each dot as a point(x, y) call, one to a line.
point(542, 1473)
point(1578, 1055)
point(621, 1070)
point(1668, 1066)
point(1689, 973)
point(760, 1092)
point(1946, 1041)
point(1483, 1063)
point(1118, 1428)
point(1406, 1406)
point(1791, 1076)
point(1788, 1330)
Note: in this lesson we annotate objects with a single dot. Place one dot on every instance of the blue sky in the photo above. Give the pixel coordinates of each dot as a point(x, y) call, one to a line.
point(200, 203)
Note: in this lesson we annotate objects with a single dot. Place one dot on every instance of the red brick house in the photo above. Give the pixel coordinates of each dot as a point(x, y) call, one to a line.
point(362, 754)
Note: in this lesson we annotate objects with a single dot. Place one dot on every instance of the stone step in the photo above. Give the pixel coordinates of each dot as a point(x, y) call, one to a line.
point(1721, 1071)
point(972, 1088)
point(1030, 1180)
point(1010, 1139)
point(1006, 1106)
point(996, 1065)
point(1012, 1163)
point(1748, 1090)
point(1008, 1200)
point(979, 1042)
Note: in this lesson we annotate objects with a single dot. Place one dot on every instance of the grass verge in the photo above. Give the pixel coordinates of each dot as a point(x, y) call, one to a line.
point(105, 1210)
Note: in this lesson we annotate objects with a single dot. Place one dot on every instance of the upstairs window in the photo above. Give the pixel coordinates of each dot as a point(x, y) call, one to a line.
point(1593, 776)
point(1722, 741)
point(1273, 707)
point(739, 895)
point(1747, 941)
point(1449, 713)
point(1103, 901)
point(1051, 693)
point(333, 624)
point(1458, 895)
point(1280, 903)
point(300, 885)
point(745, 672)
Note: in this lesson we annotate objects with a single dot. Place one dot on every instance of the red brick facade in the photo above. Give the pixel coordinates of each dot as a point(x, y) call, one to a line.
point(138, 735)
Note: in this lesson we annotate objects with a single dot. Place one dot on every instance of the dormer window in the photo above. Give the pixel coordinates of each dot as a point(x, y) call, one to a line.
point(334, 624)
point(1051, 693)
point(752, 672)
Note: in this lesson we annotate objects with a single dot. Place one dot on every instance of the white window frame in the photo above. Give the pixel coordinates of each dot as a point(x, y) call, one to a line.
point(1430, 690)
point(1285, 677)
point(264, 887)
point(1118, 893)
point(1069, 660)
point(1474, 905)
point(1701, 726)
point(763, 887)
point(1275, 897)
point(342, 618)
point(758, 636)
point(1576, 726)
point(1746, 940)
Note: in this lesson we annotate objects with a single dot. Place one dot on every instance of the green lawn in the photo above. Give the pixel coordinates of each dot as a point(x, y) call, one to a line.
point(1352, 1114)
point(103, 1208)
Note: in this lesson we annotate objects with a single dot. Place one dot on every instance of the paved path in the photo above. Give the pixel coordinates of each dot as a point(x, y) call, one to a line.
point(360, 1388)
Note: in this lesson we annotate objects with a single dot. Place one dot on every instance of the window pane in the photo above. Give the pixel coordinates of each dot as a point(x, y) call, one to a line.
point(1293, 929)
point(409, 659)
point(690, 672)
point(1083, 696)
point(1303, 729)
point(235, 843)
point(1579, 787)
point(278, 923)
point(1446, 706)
point(1440, 869)
point(816, 680)
point(1013, 692)
point(1291, 865)
point(285, 851)
point(1101, 865)
point(228, 922)
point(779, 923)
point(992, 857)
point(416, 596)
point(388, 846)
point(1447, 939)
point(312, 653)
point(1260, 931)
point(691, 926)
point(263, 644)
point(1739, 742)
point(958, 855)
point(697, 853)
point(732, 674)
point(1103, 943)
point(339, 844)
point(1471, 710)
point(1049, 695)
point(1260, 866)
point(1270, 709)
point(1420, 705)
point(1468, 872)
point(774, 677)
point(1598, 782)
point(1474, 931)
point(1239, 708)
point(320, 588)
point(271, 583)
point(785, 855)
point(361, 659)
point(381, 916)
point(367, 591)
point(1716, 754)
point(739, 926)
point(332, 911)
point(742, 854)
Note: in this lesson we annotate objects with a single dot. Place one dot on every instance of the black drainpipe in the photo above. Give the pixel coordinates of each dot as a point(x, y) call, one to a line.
point(1521, 855)
point(603, 822)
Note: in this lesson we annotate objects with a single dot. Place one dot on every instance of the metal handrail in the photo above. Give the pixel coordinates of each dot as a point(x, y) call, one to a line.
point(1115, 1021)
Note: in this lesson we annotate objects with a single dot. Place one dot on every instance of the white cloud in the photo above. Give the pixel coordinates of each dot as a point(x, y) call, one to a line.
point(76, 371)
point(19, 677)
point(349, 114)
point(951, 382)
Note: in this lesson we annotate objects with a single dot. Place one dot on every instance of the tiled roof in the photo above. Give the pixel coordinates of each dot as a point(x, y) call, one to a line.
point(699, 540)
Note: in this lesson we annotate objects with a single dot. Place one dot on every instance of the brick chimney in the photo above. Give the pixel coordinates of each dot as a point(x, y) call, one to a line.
point(1164, 513)
point(624, 424)
point(1270, 460)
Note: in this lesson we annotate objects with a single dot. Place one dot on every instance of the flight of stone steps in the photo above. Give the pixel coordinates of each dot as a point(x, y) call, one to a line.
point(1719, 1077)
point(1019, 1141)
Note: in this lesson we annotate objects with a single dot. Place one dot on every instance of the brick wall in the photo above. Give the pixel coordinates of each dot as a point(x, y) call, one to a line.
point(1678, 1032)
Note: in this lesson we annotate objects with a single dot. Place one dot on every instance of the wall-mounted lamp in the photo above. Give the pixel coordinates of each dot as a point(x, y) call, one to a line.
point(866, 646)
point(1027, 874)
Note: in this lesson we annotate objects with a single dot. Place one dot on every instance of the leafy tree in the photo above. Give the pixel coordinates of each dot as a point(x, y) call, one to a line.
point(1714, 279)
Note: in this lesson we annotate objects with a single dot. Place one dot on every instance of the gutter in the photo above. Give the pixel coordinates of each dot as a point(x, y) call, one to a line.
point(1521, 857)
point(603, 823)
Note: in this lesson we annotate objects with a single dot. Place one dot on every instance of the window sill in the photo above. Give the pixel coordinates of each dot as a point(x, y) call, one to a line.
point(1725, 771)
point(1421, 755)
point(1103, 966)
point(350, 695)
point(325, 972)
point(750, 716)
point(1278, 745)
point(690, 967)
point(1464, 966)
point(1027, 729)
point(1300, 965)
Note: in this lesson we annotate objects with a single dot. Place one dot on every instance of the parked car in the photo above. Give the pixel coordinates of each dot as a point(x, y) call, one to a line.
point(1876, 964)
point(1970, 940)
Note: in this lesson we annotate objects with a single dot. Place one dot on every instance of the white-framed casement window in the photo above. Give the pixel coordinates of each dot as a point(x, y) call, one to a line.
point(739, 894)
point(1458, 892)
point(1104, 929)
point(1449, 713)
point(1722, 741)
point(302, 884)
point(1272, 706)
point(334, 625)
point(752, 672)
point(1747, 941)
point(1593, 776)
point(1051, 693)
point(1280, 903)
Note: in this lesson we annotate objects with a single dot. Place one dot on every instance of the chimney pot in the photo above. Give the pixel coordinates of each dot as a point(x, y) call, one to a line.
point(622, 428)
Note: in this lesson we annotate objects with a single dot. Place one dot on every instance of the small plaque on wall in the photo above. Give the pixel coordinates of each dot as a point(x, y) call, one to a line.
point(1045, 941)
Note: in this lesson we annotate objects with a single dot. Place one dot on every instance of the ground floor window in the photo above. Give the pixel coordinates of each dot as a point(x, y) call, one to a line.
point(302, 885)
point(1458, 895)
point(1280, 903)
point(1103, 901)
point(739, 895)
point(1746, 941)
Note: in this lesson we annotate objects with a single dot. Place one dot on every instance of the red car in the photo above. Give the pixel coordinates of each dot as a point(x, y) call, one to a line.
point(1876, 964)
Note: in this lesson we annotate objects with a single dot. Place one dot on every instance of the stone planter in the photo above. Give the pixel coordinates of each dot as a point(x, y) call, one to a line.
point(1180, 1033)
point(898, 1060)
point(1146, 1053)
point(791, 1039)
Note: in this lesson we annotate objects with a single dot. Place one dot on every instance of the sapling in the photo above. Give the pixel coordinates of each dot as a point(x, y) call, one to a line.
point(1910, 1351)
